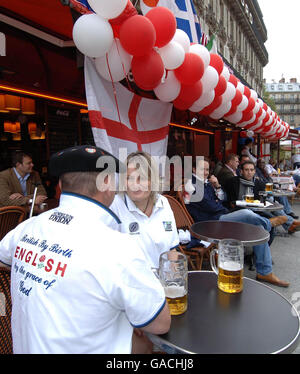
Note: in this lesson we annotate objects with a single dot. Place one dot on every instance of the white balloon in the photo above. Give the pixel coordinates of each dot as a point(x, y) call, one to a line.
point(240, 87)
point(226, 73)
point(119, 63)
point(169, 89)
point(230, 92)
point(250, 133)
point(204, 100)
point(182, 38)
point(202, 52)
point(256, 108)
point(243, 105)
point(253, 94)
point(235, 117)
point(93, 35)
point(221, 110)
point(209, 79)
point(172, 55)
point(108, 8)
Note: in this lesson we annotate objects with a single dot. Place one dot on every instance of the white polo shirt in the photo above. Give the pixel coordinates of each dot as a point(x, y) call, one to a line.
point(77, 285)
point(155, 234)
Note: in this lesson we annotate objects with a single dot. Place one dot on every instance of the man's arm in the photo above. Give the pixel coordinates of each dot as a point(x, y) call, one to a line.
point(161, 324)
point(6, 192)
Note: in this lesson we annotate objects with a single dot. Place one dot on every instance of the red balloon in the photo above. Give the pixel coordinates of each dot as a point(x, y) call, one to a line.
point(243, 134)
point(251, 105)
point(231, 111)
point(181, 104)
point(267, 117)
point(221, 86)
point(246, 116)
point(233, 80)
point(129, 11)
point(247, 92)
point(210, 108)
point(237, 98)
point(137, 35)
point(216, 62)
point(147, 70)
point(190, 93)
point(191, 70)
point(265, 106)
point(164, 23)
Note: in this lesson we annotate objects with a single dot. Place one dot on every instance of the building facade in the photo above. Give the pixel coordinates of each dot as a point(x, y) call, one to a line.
point(286, 96)
point(240, 34)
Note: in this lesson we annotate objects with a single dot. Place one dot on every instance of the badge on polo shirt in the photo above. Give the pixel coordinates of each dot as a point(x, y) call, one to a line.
point(134, 228)
point(167, 225)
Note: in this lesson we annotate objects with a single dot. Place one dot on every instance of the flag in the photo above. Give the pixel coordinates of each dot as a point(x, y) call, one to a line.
point(81, 6)
point(212, 45)
point(185, 13)
point(121, 119)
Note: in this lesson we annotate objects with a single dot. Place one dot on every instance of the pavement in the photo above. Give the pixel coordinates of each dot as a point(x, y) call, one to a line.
point(286, 257)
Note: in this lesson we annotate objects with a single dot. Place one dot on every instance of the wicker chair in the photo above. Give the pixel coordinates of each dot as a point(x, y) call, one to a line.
point(10, 217)
point(184, 221)
point(5, 312)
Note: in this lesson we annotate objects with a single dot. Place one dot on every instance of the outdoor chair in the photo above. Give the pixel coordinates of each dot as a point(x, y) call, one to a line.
point(5, 312)
point(184, 221)
point(10, 217)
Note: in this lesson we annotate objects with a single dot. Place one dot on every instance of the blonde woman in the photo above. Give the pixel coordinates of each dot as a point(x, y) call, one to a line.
point(143, 211)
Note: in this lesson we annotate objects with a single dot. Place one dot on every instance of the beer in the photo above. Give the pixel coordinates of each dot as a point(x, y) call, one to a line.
point(269, 187)
point(177, 299)
point(249, 198)
point(230, 278)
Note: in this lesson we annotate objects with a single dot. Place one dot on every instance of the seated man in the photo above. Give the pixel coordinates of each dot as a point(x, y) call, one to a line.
point(17, 184)
point(264, 177)
point(210, 207)
point(229, 170)
point(236, 188)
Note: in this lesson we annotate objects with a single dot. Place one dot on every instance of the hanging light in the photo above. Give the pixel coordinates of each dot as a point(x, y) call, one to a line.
point(13, 128)
point(7, 126)
point(28, 105)
point(18, 126)
point(31, 127)
point(2, 105)
point(12, 102)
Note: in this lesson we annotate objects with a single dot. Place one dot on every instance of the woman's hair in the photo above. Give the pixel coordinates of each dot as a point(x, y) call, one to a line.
point(147, 168)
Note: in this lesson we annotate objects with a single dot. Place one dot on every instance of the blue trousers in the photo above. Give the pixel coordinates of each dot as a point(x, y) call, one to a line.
point(263, 258)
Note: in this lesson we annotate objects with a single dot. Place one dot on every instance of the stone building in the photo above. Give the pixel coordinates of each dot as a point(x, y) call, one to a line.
point(286, 96)
point(240, 34)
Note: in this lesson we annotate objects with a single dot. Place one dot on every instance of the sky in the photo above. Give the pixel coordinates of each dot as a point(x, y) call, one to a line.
point(282, 20)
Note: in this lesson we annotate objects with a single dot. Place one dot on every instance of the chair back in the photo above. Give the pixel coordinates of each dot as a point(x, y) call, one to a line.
point(5, 312)
point(10, 217)
point(182, 217)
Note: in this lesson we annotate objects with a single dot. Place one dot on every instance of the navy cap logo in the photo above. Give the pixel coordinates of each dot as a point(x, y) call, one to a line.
point(90, 150)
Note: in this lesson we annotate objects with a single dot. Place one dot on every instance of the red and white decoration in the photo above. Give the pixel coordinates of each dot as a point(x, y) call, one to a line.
point(121, 119)
point(160, 58)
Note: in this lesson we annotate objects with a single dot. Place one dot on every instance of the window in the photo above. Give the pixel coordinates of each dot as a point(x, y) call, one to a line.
point(280, 87)
point(290, 86)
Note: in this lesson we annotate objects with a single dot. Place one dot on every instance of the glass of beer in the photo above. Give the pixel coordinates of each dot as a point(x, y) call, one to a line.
point(230, 265)
point(269, 187)
point(173, 275)
point(249, 197)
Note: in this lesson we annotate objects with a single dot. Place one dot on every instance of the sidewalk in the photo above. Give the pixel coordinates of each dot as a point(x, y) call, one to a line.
point(286, 257)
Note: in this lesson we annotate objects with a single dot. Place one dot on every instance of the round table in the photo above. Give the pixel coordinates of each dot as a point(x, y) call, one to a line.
point(278, 193)
point(213, 231)
point(270, 208)
point(256, 320)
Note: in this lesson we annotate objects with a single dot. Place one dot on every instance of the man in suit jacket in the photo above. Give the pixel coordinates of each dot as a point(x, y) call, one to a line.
point(17, 184)
point(229, 170)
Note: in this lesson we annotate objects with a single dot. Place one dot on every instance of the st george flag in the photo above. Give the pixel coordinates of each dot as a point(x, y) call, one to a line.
point(185, 13)
point(121, 119)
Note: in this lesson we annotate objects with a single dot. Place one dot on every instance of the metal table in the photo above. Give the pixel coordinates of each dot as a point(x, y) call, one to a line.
point(278, 193)
point(270, 208)
point(213, 231)
point(257, 320)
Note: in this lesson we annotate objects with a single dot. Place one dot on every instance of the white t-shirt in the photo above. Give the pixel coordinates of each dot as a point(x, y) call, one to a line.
point(77, 285)
point(155, 234)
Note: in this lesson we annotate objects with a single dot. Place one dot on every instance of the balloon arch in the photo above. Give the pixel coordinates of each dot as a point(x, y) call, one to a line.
point(161, 59)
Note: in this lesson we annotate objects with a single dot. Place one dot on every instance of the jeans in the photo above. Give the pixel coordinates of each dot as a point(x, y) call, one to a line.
point(283, 200)
point(263, 258)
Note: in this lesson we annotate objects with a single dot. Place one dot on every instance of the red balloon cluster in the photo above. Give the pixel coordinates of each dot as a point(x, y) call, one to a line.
point(162, 59)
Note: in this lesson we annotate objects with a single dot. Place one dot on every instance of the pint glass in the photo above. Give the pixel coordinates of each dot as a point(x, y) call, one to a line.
point(230, 265)
point(249, 197)
point(269, 187)
point(173, 275)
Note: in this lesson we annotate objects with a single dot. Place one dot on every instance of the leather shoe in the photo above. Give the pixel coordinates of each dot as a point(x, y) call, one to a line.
point(277, 221)
point(295, 226)
point(293, 215)
point(271, 278)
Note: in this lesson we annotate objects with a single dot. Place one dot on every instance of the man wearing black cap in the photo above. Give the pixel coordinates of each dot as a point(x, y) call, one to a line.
point(77, 285)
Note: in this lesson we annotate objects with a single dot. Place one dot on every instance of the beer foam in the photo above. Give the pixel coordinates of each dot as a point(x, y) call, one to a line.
point(230, 266)
point(174, 291)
